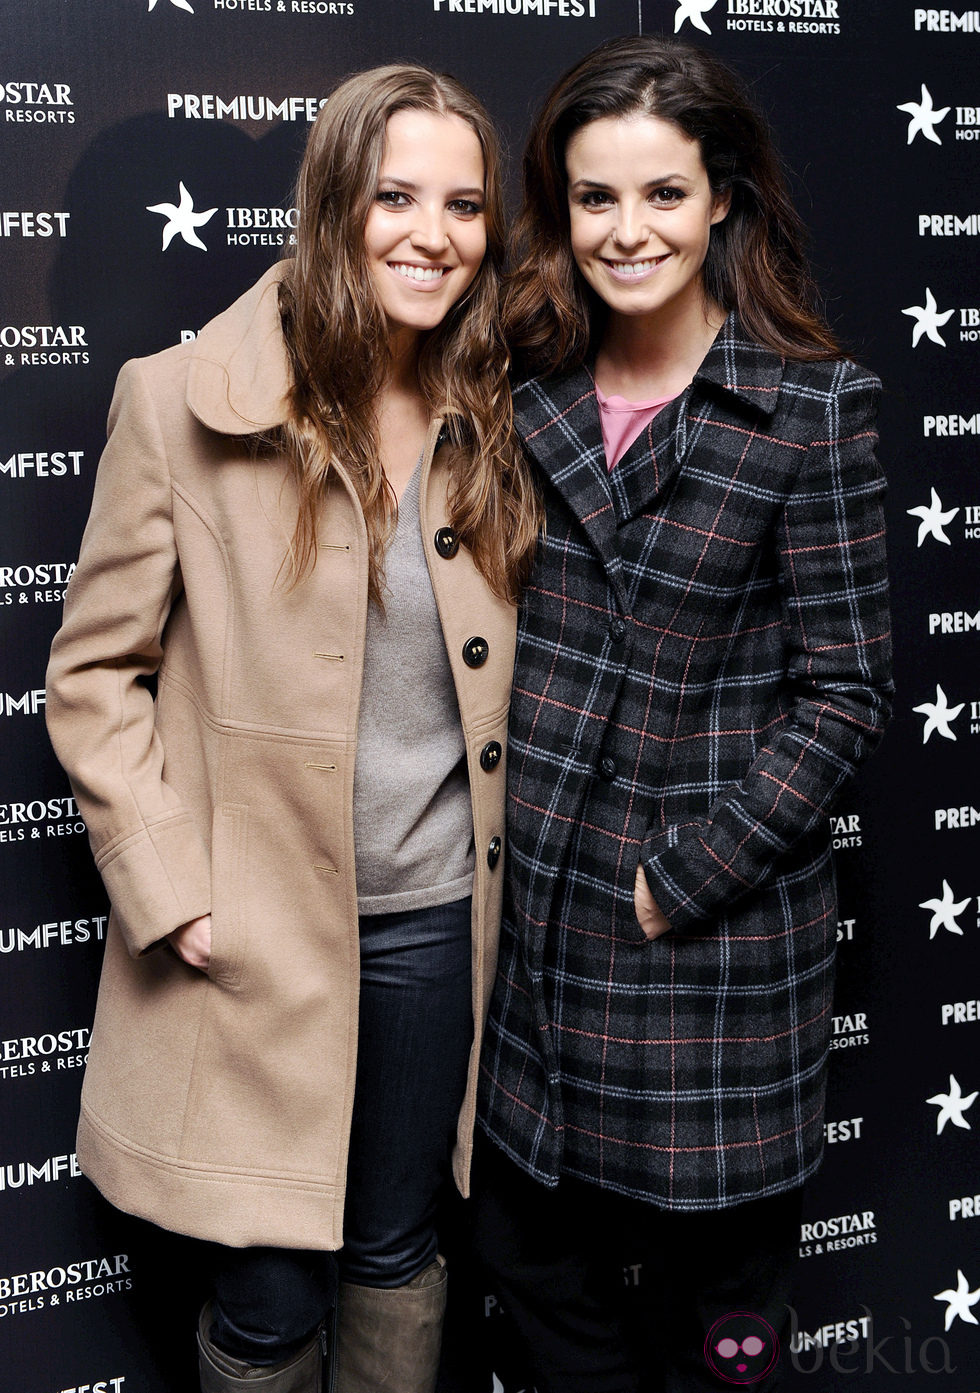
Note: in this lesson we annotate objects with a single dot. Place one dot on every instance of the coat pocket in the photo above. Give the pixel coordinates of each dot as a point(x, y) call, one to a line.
point(654, 843)
point(625, 923)
point(229, 830)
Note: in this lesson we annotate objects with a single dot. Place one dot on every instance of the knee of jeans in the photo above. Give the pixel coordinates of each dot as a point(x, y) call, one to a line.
point(267, 1305)
point(391, 1267)
point(264, 1342)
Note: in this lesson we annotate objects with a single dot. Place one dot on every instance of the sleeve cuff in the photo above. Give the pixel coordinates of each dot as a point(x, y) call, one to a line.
point(157, 879)
point(665, 857)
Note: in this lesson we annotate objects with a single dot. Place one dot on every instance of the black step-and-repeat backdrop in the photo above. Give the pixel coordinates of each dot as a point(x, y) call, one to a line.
point(148, 148)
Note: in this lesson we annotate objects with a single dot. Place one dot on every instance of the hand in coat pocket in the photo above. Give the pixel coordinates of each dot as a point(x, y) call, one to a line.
point(192, 942)
point(651, 921)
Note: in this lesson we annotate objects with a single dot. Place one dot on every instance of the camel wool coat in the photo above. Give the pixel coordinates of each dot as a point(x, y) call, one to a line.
point(219, 1104)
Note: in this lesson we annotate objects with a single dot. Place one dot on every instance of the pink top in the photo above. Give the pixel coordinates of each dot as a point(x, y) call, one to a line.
point(622, 421)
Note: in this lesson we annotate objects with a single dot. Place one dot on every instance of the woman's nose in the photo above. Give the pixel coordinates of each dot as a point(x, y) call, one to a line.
point(632, 227)
point(429, 232)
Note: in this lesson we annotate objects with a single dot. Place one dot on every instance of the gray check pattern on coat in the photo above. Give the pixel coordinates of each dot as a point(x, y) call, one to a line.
point(703, 660)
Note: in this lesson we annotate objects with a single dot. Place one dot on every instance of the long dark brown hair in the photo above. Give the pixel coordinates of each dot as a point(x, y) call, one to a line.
point(755, 262)
point(337, 337)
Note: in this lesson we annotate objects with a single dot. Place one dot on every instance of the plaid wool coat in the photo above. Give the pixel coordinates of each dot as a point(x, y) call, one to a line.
point(702, 661)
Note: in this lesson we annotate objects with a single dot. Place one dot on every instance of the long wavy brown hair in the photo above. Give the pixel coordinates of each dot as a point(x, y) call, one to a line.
point(338, 341)
point(755, 262)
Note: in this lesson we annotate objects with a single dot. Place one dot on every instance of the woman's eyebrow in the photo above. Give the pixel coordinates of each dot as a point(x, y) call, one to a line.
point(476, 191)
point(650, 183)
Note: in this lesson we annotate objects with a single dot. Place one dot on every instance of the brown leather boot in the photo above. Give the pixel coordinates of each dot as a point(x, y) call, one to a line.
point(220, 1373)
point(389, 1338)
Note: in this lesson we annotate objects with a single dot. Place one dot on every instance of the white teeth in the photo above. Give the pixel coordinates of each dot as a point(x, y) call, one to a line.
point(418, 273)
point(635, 268)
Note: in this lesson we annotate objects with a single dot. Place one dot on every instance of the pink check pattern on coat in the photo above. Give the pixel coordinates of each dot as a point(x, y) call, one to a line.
point(703, 660)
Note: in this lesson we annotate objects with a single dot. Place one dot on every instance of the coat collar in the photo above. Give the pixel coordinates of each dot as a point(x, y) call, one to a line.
point(733, 365)
point(741, 369)
point(558, 419)
point(239, 376)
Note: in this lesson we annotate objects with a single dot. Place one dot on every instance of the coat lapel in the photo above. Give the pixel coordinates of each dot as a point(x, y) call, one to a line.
point(736, 376)
point(558, 420)
point(651, 461)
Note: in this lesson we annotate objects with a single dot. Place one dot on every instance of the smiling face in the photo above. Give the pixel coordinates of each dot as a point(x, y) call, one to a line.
point(425, 235)
point(641, 211)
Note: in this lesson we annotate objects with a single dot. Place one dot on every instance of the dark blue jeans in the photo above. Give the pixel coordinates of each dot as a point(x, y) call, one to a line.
point(415, 1027)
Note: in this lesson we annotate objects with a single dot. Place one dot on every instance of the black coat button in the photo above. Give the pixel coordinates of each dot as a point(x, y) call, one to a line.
point(607, 768)
point(493, 852)
point(475, 651)
point(617, 630)
point(490, 755)
point(447, 543)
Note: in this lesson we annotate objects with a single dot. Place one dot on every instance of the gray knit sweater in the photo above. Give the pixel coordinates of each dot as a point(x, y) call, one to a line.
point(413, 826)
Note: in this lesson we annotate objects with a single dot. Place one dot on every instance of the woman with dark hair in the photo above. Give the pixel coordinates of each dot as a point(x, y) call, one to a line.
point(702, 662)
point(310, 525)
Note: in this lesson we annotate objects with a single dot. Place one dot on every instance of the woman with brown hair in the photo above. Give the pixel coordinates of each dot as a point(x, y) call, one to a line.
point(309, 526)
point(702, 662)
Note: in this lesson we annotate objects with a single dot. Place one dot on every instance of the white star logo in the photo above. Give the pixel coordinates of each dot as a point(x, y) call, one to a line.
point(932, 519)
point(944, 913)
point(182, 219)
point(925, 117)
point(959, 1301)
point(928, 320)
point(694, 11)
point(939, 714)
point(952, 1106)
point(181, 5)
